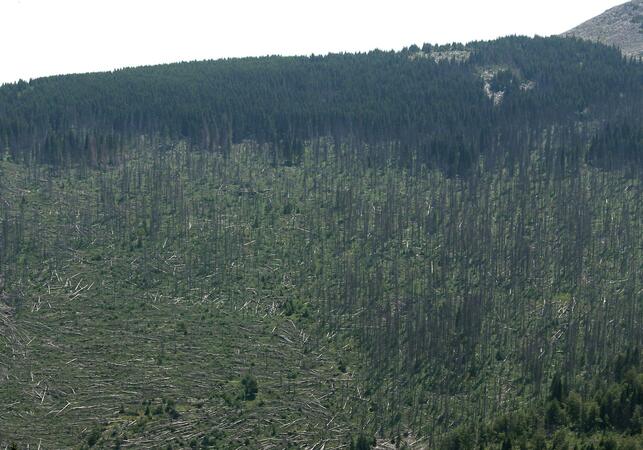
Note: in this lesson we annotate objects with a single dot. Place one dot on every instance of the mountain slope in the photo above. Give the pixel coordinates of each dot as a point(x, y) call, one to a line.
point(621, 26)
point(398, 249)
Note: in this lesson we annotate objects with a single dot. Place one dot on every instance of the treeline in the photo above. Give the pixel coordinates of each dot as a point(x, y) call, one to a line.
point(436, 113)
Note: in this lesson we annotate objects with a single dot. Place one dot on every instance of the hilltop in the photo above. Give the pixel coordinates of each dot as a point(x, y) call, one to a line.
point(621, 26)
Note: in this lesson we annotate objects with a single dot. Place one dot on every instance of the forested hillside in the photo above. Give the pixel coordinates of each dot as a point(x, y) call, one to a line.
point(434, 248)
point(437, 113)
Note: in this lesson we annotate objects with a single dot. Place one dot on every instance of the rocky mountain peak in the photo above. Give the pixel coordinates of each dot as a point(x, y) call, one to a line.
point(621, 26)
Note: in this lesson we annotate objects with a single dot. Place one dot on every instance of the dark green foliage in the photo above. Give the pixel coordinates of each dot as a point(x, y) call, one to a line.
point(93, 437)
point(362, 443)
point(617, 144)
point(577, 420)
point(170, 409)
point(504, 81)
point(557, 390)
point(435, 113)
point(560, 440)
point(250, 387)
point(462, 438)
point(554, 414)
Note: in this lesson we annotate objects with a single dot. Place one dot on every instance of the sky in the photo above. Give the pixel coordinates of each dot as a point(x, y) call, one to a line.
point(48, 37)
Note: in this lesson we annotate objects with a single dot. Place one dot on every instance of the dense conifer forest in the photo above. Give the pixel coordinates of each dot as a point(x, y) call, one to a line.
point(434, 111)
point(437, 248)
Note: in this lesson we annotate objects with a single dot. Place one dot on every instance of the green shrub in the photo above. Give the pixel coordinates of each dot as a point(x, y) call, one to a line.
point(250, 387)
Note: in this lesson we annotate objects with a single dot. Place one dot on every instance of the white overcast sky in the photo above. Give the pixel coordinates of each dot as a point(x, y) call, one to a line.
point(46, 37)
